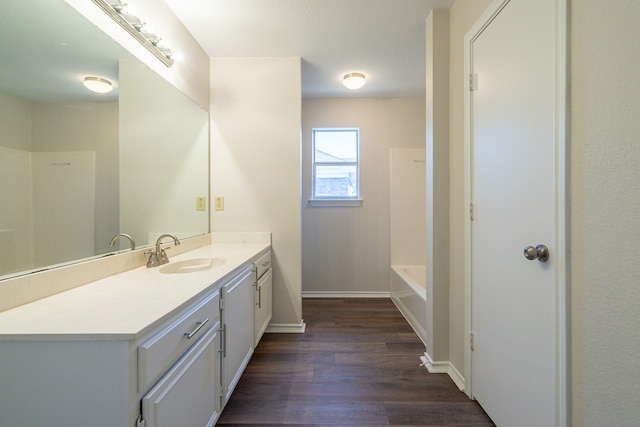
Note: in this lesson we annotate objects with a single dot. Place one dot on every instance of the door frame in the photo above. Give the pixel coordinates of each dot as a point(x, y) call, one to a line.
point(561, 171)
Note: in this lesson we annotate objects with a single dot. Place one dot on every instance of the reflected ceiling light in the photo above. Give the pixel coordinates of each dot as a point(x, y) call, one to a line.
point(354, 80)
point(125, 16)
point(98, 84)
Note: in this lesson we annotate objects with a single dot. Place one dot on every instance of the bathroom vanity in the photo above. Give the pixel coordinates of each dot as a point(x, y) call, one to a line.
point(145, 347)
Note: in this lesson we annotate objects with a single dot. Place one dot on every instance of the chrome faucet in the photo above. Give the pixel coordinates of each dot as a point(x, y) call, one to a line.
point(159, 256)
point(117, 236)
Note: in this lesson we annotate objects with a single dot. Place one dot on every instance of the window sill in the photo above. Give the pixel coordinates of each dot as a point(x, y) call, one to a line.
point(335, 202)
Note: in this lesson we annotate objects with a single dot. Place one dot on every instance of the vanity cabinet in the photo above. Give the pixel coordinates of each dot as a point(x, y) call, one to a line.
point(179, 370)
point(101, 381)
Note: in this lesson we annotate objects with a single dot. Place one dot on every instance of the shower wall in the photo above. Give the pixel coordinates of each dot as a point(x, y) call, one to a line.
point(36, 225)
point(16, 203)
point(60, 180)
point(408, 206)
point(16, 210)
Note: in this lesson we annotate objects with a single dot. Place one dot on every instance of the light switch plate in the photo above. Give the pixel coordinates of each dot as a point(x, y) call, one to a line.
point(201, 203)
point(219, 203)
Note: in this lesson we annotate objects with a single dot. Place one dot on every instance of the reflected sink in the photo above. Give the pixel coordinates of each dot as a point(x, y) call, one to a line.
point(191, 265)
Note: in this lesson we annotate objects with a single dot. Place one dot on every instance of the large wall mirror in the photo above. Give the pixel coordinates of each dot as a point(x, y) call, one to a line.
point(76, 167)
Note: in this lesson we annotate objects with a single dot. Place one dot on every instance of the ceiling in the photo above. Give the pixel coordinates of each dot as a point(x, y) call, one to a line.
point(384, 39)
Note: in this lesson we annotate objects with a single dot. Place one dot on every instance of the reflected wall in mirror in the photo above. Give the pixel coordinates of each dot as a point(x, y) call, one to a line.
point(76, 168)
point(164, 151)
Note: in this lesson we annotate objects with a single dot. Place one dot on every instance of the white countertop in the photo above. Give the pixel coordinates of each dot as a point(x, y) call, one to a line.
point(126, 305)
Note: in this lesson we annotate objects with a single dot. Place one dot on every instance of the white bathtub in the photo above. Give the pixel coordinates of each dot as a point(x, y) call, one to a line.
point(409, 293)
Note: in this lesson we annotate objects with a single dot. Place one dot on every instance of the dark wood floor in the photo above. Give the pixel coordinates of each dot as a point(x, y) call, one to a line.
point(356, 365)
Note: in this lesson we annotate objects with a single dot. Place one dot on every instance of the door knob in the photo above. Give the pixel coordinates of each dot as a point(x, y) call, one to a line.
point(540, 252)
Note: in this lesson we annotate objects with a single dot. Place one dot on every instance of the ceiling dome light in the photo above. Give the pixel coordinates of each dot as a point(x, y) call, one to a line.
point(98, 84)
point(354, 80)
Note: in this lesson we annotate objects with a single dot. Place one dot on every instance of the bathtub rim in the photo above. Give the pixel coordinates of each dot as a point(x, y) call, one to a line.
point(420, 289)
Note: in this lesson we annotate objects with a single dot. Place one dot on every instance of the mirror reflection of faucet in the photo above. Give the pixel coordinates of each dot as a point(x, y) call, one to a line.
point(159, 256)
point(117, 236)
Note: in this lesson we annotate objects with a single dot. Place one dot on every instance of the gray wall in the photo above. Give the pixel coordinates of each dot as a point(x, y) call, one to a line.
point(346, 249)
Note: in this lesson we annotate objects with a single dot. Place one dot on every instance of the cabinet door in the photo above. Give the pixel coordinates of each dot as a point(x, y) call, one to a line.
point(238, 329)
point(188, 394)
point(263, 303)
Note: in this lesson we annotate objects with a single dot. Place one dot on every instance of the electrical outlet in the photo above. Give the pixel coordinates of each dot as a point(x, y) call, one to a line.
point(219, 203)
point(201, 203)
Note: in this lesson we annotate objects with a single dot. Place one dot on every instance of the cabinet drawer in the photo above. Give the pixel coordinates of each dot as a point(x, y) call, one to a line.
point(173, 339)
point(263, 264)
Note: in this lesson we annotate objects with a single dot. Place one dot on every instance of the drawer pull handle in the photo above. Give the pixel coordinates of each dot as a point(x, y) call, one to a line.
point(199, 326)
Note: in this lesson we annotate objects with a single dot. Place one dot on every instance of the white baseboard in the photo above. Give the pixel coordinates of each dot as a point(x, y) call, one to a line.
point(456, 376)
point(410, 318)
point(286, 328)
point(341, 294)
point(443, 368)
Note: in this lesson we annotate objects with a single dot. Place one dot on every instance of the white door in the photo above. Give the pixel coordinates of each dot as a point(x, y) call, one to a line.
point(514, 140)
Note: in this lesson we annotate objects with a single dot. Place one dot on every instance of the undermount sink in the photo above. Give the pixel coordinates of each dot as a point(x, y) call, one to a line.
point(191, 265)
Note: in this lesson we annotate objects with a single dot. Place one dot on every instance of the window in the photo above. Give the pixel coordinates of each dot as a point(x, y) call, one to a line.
point(335, 165)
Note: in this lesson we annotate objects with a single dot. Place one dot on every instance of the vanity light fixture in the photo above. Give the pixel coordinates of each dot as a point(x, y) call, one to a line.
point(120, 12)
point(354, 80)
point(98, 84)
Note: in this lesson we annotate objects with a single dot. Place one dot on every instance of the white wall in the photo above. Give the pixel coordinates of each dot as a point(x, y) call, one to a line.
point(437, 146)
point(463, 14)
point(605, 200)
point(190, 72)
point(255, 163)
point(346, 249)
